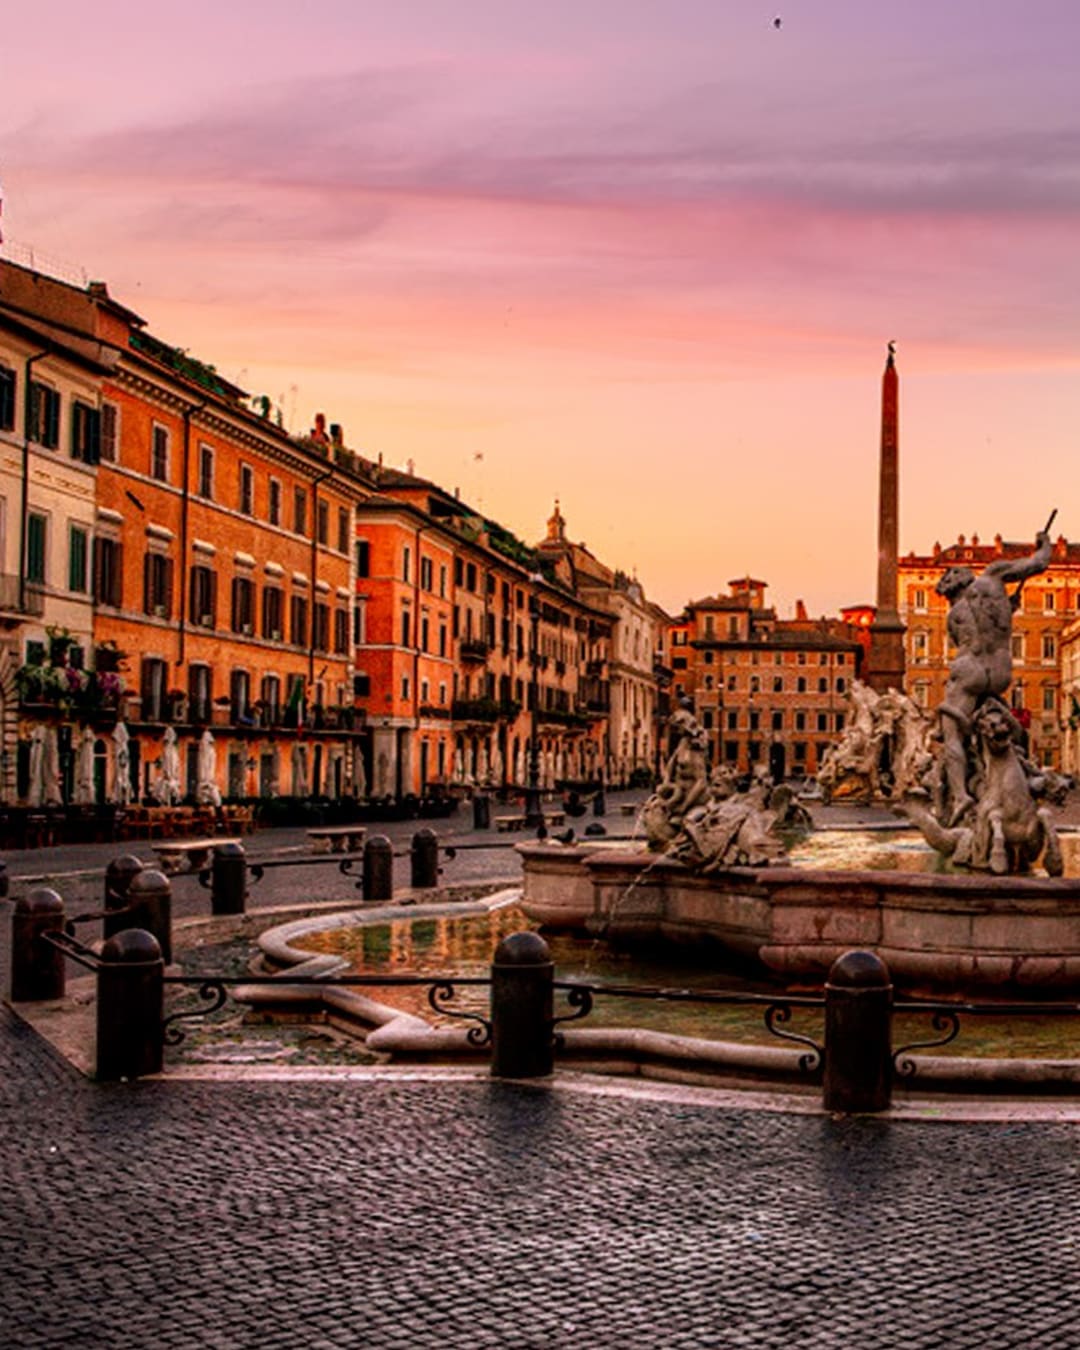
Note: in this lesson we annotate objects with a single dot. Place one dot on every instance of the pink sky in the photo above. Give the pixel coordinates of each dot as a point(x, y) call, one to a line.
point(641, 257)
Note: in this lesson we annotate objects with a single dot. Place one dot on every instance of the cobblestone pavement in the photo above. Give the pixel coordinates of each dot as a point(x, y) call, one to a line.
point(416, 1214)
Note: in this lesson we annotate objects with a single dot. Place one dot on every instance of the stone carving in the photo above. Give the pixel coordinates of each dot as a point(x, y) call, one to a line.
point(1008, 831)
point(884, 752)
point(703, 820)
point(978, 802)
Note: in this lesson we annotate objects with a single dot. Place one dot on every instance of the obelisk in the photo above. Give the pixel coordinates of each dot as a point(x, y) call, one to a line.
point(885, 659)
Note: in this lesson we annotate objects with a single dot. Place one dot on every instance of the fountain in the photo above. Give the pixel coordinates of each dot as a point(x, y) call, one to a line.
point(715, 867)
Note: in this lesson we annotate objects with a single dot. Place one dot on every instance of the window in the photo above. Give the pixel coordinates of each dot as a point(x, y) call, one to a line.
point(823, 721)
point(1049, 698)
point(78, 553)
point(707, 719)
point(157, 585)
point(300, 510)
point(206, 472)
point(426, 571)
point(199, 691)
point(425, 632)
point(247, 490)
point(732, 683)
point(203, 597)
point(823, 659)
point(152, 688)
point(274, 505)
point(800, 721)
point(108, 571)
point(7, 399)
point(406, 627)
point(1018, 647)
point(322, 522)
point(841, 685)
point(298, 620)
point(755, 719)
point(778, 721)
point(800, 684)
point(778, 684)
point(361, 686)
point(921, 648)
point(823, 685)
point(1049, 602)
point(1049, 647)
point(358, 624)
point(44, 415)
point(341, 631)
point(239, 694)
point(110, 432)
point(159, 453)
point(799, 750)
point(404, 686)
point(470, 577)
point(270, 693)
point(85, 433)
point(732, 720)
point(442, 580)
point(36, 541)
point(920, 600)
point(273, 603)
point(755, 684)
point(343, 530)
point(442, 639)
point(406, 563)
point(363, 558)
point(243, 605)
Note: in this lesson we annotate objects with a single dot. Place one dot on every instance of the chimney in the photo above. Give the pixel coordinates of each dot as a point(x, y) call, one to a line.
point(319, 431)
point(336, 434)
point(800, 610)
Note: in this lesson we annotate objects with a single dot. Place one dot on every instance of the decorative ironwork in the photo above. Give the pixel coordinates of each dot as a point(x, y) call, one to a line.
point(256, 871)
point(778, 1013)
point(440, 994)
point(580, 998)
point(941, 1021)
point(215, 994)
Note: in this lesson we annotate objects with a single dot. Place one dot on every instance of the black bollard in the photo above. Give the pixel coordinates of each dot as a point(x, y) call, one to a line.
point(37, 967)
point(150, 907)
point(4, 881)
point(481, 811)
point(425, 859)
point(228, 879)
point(378, 868)
point(599, 804)
point(522, 1007)
point(118, 877)
point(130, 1006)
point(858, 1034)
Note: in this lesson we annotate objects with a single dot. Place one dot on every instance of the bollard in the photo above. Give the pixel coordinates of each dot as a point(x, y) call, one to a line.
point(37, 967)
point(481, 811)
point(130, 1006)
point(118, 877)
point(228, 879)
point(425, 859)
point(858, 1034)
point(522, 1007)
point(150, 907)
point(599, 804)
point(378, 868)
point(4, 881)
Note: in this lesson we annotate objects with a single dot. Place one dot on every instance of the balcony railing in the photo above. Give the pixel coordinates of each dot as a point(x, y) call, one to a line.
point(484, 709)
point(31, 602)
point(473, 649)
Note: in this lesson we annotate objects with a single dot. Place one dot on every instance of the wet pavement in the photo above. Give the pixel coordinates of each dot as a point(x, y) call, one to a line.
point(416, 1210)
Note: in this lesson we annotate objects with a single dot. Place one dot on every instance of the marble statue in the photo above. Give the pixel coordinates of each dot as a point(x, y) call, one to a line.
point(884, 750)
point(685, 782)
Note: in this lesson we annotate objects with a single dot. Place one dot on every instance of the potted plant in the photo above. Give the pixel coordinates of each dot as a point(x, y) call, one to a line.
point(60, 643)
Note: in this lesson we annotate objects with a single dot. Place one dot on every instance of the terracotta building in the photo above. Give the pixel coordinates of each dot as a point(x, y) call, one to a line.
point(767, 690)
point(217, 558)
point(1048, 603)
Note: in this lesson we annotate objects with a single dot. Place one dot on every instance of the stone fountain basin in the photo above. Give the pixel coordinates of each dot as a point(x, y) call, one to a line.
point(937, 932)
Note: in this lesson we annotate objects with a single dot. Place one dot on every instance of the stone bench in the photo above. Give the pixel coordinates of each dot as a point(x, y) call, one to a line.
point(337, 838)
point(187, 855)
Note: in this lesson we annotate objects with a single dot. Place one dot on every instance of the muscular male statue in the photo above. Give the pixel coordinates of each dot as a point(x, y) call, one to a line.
point(980, 627)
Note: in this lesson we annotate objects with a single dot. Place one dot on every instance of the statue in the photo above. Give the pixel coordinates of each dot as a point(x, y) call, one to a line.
point(986, 796)
point(980, 626)
point(884, 751)
point(1008, 831)
point(684, 783)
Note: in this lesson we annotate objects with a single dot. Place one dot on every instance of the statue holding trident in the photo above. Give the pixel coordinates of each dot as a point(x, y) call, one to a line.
point(980, 627)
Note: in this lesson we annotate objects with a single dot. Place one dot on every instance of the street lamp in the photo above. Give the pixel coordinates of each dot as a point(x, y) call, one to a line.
point(534, 814)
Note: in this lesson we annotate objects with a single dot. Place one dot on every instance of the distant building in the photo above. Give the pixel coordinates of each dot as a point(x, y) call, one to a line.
point(767, 690)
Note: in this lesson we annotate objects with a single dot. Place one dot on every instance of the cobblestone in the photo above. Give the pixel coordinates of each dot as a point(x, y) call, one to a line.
point(412, 1214)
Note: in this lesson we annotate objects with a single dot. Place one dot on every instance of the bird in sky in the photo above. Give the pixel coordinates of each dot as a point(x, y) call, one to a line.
point(778, 22)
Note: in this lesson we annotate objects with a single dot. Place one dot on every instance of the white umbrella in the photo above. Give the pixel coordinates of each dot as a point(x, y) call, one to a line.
point(459, 767)
point(482, 763)
point(519, 766)
point(53, 793)
point(35, 792)
point(170, 768)
point(359, 774)
point(496, 764)
point(299, 770)
point(207, 791)
point(84, 770)
point(121, 765)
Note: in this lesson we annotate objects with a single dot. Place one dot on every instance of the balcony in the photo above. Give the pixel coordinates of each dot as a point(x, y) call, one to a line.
point(485, 710)
point(473, 649)
point(30, 605)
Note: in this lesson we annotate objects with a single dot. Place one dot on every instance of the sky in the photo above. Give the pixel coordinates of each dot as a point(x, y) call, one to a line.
point(641, 257)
